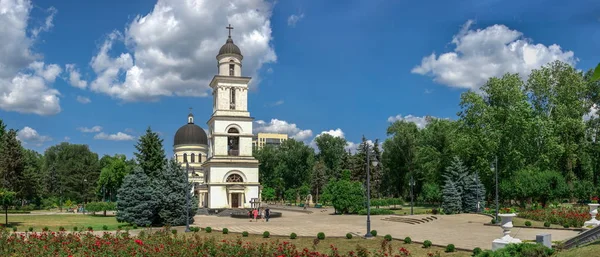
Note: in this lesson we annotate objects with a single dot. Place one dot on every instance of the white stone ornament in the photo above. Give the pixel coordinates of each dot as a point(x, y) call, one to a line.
point(593, 212)
point(506, 225)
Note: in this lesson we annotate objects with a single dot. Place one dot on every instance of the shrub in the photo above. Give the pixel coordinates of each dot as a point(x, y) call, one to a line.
point(14, 229)
point(374, 232)
point(61, 228)
point(30, 229)
point(45, 229)
point(245, 234)
point(566, 225)
point(528, 223)
point(426, 244)
point(321, 236)
point(75, 229)
point(225, 231)
point(174, 231)
point(376, 212)
point(407, 240)
point(521, 250)
point(90, 228)
point(435, 211)
point(208, 229)
point(493, 221)
point(293, 236)
point(477, 251)
point(450, 248)
point(349, 236)
point(120, 227)
point(547, 224)
point(105, 227)
point(388, 237)
point(266, 234)
point(134, 226)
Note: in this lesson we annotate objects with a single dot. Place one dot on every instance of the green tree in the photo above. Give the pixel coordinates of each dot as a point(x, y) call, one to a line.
point(268, 194)
point(137, 200)
point(150, 153)
point(268, 161)
point(474, 193)
point(346, 196)
point(318, 178)
point(7, 198)
point(431, 193)
point(398, 156)
point(331, 151)
point(33, 176)
point(295, 164)
point(171, 189)
point(112, 175)
point(12, 163)
point(451, 200)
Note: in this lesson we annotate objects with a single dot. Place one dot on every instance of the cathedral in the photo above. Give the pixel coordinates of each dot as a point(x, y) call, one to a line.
point(221, 166)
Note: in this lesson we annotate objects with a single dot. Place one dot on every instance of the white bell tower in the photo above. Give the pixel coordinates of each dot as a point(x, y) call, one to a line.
point(232, 176)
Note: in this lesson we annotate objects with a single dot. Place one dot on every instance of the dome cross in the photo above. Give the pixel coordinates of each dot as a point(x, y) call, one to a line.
point(229, 28)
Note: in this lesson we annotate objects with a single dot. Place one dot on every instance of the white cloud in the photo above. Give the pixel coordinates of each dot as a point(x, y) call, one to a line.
point(93, 129)
point(25, 80)
point(490, 52)
point(350, 146)
point(280, 102)
point(294, 18)
point(75, 77)
point(28, 135)
point(173, 48)
point(282, 127)
point(83, 99)
point(67, 139)
point(420, 121)
point(120, 136)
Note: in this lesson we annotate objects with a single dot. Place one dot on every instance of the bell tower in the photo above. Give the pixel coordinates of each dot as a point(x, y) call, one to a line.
point(232, 169)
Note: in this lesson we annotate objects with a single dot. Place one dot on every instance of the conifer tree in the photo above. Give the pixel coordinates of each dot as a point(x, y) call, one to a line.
point(457, 172)
point(12, 163)
point(150, 154)
point(474, 191)
point(137, 199)
point(171, 189)
point(451, 200)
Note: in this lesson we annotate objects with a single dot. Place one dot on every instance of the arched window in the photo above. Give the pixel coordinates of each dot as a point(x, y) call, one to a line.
point(233, 178)
point(232, 99)
point(185, 157)
point(193, 158)
point(231, 69)
point(233, 142)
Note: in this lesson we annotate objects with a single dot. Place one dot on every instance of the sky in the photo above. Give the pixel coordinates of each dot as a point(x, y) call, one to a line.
point(101, 72)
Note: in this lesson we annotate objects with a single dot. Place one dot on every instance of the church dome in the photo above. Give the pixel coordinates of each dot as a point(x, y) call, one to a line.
point(190, 134)
point(230, 48)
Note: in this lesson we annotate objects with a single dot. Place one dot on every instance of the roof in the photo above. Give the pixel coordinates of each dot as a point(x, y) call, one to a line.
point(190, 134)
point(230, 48)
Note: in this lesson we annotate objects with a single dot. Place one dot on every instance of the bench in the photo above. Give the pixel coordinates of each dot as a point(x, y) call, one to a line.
point(318, 206)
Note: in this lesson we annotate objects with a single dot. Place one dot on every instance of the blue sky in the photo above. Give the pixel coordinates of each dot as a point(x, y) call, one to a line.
point(346, 68)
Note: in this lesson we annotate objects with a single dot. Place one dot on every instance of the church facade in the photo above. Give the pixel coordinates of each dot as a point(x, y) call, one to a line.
point(223, 169)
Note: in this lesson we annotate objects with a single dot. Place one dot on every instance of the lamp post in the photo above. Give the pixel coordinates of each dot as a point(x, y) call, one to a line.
point(476, 180)
point(83, 204)
point(411, 183)
point(374, 162)
point(495, 168)
point(187, 197)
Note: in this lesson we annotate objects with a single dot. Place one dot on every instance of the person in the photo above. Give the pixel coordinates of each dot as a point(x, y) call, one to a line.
point(267, 214)
point(255, 213)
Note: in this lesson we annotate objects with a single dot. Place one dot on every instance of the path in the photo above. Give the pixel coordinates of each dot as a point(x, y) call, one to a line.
point(462, 230)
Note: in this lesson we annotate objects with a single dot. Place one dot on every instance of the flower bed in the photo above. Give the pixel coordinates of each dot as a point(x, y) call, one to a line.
point(162, 243)
point(567, 217)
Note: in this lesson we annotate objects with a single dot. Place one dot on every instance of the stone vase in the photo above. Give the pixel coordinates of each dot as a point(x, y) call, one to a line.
point(593, 212)
point(507, 225)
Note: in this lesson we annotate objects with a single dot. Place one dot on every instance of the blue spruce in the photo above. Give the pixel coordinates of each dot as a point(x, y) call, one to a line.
point(137, 203)
point(171, 189)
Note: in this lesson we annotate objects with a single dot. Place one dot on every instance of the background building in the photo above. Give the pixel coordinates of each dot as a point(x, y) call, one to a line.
point(262, 139)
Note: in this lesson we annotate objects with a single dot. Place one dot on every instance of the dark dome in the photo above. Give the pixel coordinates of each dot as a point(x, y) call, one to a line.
point(230, 48)
point(190, 134)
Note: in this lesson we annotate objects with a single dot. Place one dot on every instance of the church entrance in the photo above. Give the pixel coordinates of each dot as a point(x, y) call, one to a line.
point(235, 200)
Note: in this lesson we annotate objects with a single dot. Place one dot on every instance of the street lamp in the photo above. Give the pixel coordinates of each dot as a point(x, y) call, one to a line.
point(411, 183)
point(374, 162)
point(187, 197)
point(476, 180)
point(83, 204)
point(495, 169)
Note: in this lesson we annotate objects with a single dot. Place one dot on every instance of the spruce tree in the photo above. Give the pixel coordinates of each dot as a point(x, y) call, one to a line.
point(474, 191)
point(171, 190)
point(451, 200)
point(457, 172)
point(150, 153)
point(12, 162)
point(138, 199)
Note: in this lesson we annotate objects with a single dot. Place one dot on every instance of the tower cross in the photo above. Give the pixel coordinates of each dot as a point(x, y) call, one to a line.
point(229, 28)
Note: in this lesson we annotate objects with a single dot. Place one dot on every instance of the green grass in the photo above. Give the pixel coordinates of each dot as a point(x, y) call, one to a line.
point(591, 249)
point(534, 224)
point(68, 221)
point(416, 210)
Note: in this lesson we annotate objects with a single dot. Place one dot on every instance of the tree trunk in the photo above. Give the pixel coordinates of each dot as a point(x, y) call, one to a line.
point(6, 215)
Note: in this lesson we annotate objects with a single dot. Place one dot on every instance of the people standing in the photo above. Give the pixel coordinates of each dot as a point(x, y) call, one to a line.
point(267, 214)
point(255, 213)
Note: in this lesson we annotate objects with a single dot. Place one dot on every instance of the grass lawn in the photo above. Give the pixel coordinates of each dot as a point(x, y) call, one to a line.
point(534, 224)
point(344, 245)
point(591, 249)
point(416, 210)
point(68, 221)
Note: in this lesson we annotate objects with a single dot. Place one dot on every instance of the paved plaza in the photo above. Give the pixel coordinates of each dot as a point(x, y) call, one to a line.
point(462, 230)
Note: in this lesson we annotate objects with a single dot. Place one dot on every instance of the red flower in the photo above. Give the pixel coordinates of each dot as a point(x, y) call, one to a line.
point(139, 242)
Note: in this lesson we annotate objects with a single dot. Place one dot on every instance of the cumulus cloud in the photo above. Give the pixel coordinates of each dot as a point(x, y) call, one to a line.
point(83, 99)
point(420, 121)
point(490, 52)
point(66, 139)
point(93, 129)
point(25, 80)
point(280, 102)
point(75, 77)
point(173, 48)
point(350, 146)
point(294, 18)
point(282, 127)
point(119, 136)
point(28, 135)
